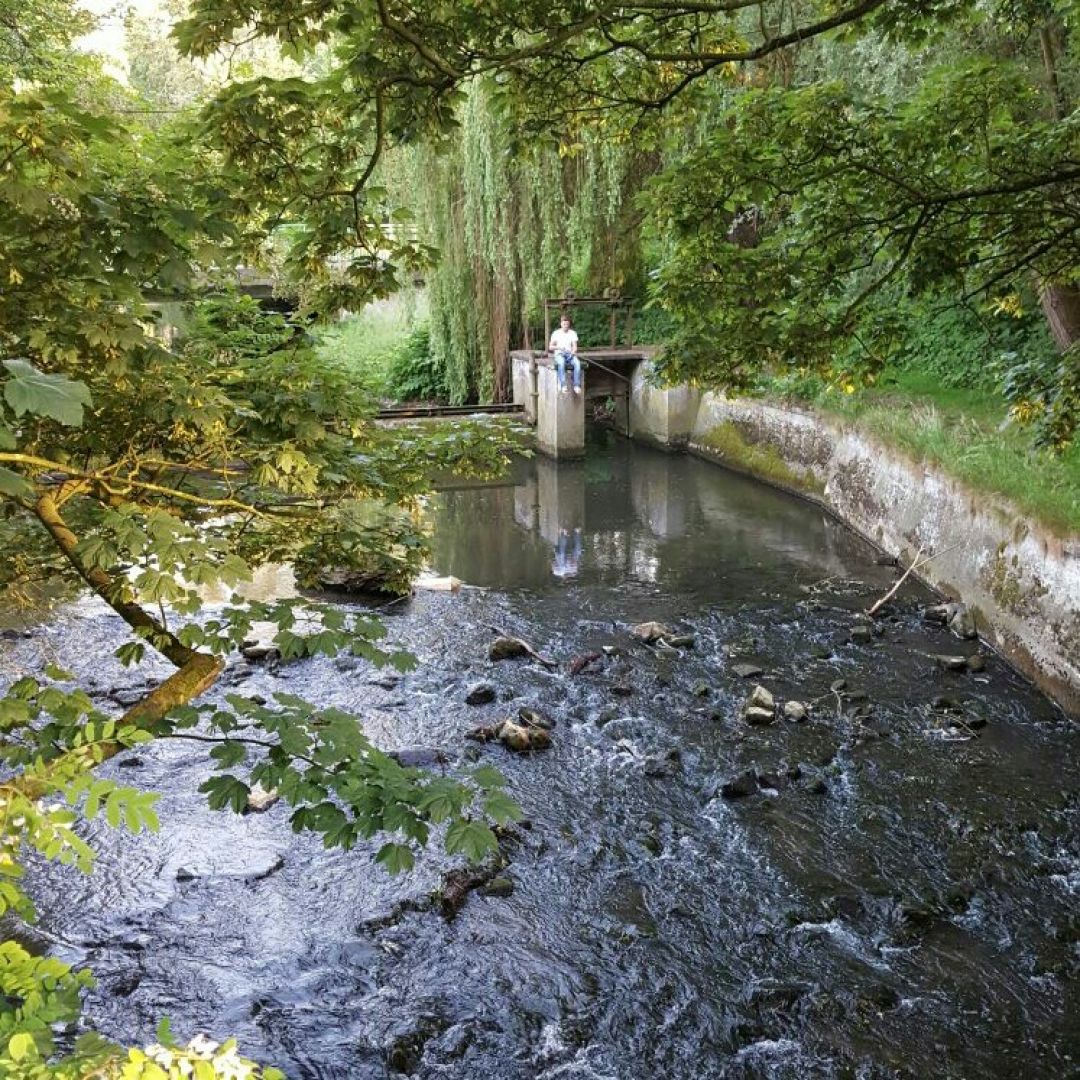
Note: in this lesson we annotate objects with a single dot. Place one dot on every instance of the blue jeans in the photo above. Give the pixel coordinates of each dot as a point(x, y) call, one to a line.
point(560, 367)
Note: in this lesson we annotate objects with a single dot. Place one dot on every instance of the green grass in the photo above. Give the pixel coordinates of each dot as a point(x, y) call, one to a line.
point(968, 434)
point(366, 343)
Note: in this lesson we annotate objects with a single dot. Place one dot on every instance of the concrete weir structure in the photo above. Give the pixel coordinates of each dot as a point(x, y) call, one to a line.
point(1021, 581)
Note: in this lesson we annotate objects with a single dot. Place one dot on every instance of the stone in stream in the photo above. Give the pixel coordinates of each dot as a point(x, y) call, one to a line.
point(701, 688)
point(127, 696)
point(535, 718)
point(258, 872)
point(605, 716)
point(976, 662)
point(772, 781)
point(795, 711)
point(507, 648)
point(962, 622)
point(260, 799)
point(481, 693)
point(523, 739)
point(418, 757)
point(681, 641)
point(741, 786)
point(757, 717)
point(650, 632)
point(747, 671)
point(580, 663)
point(760, 698)
point(944, 703)
point(651, 842)
point(386, 681)
point(957, 617)
point(951, 663)
point(861, 635)
point(662, 765)
point(500, 886)
point(259, 651)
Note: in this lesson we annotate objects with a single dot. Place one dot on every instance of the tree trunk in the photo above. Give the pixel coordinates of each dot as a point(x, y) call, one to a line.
point(1061, 306)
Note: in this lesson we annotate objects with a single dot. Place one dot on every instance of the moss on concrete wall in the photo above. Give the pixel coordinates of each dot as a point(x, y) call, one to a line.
point(727, 443)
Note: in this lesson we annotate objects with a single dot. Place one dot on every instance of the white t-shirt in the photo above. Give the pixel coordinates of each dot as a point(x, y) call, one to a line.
point(563, 341)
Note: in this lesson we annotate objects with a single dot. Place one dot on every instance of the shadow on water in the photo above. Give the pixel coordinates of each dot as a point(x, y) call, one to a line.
point(899, 899)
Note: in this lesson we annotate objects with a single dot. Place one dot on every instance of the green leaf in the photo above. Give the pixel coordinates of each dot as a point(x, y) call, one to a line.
point(225, 791)
point(11, 483)
point(488, 777)
point(228, 754)
point(473, 839)
point(53, 396)
point(501, 808)
point(21, 1046)
point(130, 653)
point(396, 858)
point(58, 673)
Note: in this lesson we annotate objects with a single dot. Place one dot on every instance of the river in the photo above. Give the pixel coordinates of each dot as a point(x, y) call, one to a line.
point(902, 903)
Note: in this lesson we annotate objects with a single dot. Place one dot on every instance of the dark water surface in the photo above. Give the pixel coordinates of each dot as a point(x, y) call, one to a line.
point(906, 907)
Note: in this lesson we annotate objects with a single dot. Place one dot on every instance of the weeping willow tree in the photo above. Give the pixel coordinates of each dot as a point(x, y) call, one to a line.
point(514, 222)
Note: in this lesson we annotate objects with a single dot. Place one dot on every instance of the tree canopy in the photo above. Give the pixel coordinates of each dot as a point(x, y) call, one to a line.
point(155, 473)
point(781, 180)
point(825, 192)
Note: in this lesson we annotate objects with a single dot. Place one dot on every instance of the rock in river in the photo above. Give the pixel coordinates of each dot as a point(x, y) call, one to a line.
point(760, 698)
point(651, 631)
point(535, 718)
point(795, 711)
point(260, 799)
point(758, 717)
point(951, 663)
point(740, 786)
point(507, 648)
point(481, 693)
point(747, 671)
point(523, 739)
point(501, 886)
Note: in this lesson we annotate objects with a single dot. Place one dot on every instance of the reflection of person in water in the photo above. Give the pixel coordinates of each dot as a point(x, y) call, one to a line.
point(567, 553)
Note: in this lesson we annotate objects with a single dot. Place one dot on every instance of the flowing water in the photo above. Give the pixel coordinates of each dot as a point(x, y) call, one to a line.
point(901, 903)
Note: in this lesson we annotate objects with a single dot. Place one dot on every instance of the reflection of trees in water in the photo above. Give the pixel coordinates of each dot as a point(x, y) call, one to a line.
point(478, 540)
point(644, 516)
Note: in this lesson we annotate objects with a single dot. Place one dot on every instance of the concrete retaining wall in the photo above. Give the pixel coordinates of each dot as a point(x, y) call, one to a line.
point(1021, 581)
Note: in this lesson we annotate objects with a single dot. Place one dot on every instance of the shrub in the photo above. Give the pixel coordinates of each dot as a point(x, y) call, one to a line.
point(413, 373)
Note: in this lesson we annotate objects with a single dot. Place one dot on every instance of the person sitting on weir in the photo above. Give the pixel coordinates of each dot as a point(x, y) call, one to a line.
point(564, 345)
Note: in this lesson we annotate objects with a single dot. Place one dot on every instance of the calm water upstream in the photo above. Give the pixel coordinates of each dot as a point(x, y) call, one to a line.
point(905, 906)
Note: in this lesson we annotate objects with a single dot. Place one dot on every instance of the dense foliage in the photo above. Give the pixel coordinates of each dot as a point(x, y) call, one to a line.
point(929, 147)
point(824, 188)
point(154, 477)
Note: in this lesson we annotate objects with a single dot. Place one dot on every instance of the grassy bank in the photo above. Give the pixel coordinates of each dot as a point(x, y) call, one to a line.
point(966, 432)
